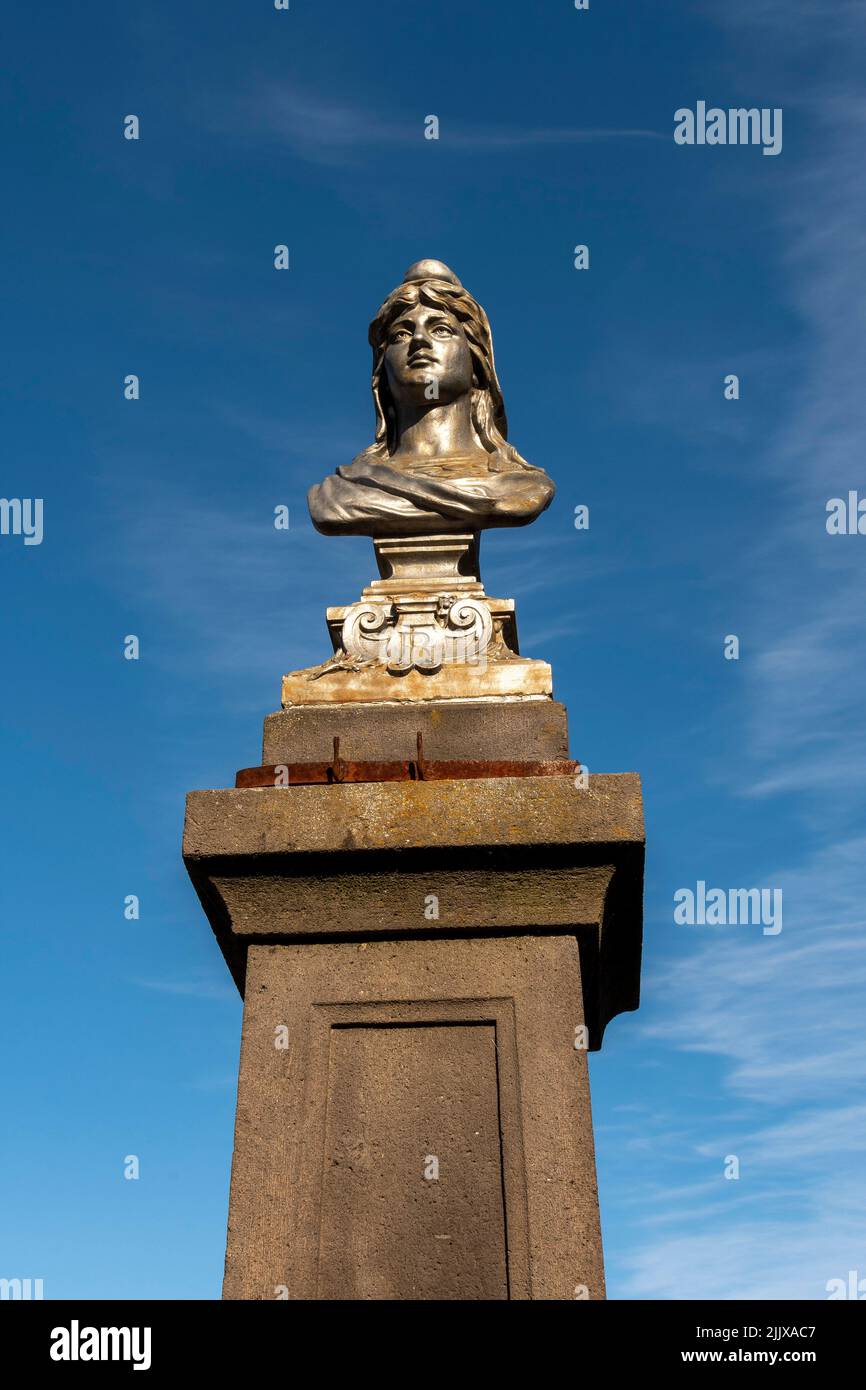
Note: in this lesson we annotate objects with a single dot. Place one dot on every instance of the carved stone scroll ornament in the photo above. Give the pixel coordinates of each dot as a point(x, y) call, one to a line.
point(422, 633)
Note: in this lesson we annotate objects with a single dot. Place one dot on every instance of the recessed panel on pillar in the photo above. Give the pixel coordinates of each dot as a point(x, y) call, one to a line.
point(412, 1184)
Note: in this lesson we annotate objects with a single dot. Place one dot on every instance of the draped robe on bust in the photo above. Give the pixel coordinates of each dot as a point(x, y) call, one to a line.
point(371, 497)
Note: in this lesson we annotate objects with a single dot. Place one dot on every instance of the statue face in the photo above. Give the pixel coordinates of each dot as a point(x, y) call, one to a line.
point(427, 345)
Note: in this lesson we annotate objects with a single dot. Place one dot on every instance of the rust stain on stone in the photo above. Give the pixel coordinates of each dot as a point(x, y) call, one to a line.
point(340, 770)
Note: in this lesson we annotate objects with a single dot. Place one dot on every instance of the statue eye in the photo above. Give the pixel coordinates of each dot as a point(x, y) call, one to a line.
point(443, 331)
point(400, 335)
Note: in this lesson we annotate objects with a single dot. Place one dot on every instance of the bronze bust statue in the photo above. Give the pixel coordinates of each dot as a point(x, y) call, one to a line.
point(439, 472)
point(440, 462)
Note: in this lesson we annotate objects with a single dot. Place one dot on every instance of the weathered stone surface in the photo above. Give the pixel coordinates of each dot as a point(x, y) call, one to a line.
point(429, 1096)
point(499, 894)
point(529, 729)
point(397, 1052)
point(458, 681)
point(479, 811)
point(365, 859)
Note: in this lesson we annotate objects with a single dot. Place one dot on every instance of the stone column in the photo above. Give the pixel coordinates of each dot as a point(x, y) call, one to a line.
point(424, 965)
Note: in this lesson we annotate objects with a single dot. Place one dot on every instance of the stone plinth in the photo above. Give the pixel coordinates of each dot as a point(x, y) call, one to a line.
point(525, 728)
point(424, 630)
point(513, 678)
point(419, 962)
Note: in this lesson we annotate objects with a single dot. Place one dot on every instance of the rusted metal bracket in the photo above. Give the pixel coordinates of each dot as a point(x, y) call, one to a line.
point(418, 769)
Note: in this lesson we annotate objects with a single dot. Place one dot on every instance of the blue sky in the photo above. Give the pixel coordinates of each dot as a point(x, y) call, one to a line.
point(707, 517)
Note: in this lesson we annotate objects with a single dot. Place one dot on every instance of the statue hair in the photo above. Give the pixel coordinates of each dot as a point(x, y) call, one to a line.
point(487, 406)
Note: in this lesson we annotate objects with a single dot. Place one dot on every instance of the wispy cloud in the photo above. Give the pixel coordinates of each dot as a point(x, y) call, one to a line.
point(785, 1011)
point(782, 1017)
point(227, 593)
point(743, 1255)
point(808, 678)
point(196, 986)
point(807, 691)
point(227, 1081)
point(336, 132)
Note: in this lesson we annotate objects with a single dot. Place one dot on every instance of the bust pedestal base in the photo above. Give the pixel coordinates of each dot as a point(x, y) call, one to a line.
point(424, 966)
point(519, 678)
point(426, 616)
